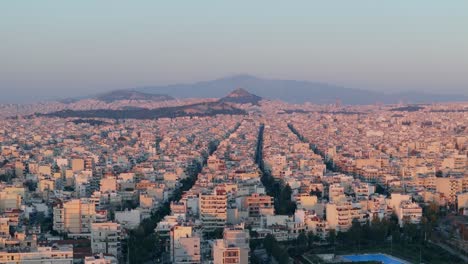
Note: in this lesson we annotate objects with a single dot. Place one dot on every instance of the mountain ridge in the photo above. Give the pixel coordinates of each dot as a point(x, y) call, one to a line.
point(295, 91)
point(118, 95)
point(121, 95)
point(290, 91)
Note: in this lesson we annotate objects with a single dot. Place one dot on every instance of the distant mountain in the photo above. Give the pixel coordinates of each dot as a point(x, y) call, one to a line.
point(241, 96)
point(293, 91)
point(199, 109)
point(119, 95)
point(423, 97)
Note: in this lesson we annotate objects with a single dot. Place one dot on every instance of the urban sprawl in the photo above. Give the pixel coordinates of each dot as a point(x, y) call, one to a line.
point(268, 186)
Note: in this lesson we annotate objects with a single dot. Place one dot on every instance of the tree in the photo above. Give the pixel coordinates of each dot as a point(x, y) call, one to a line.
point(317, 193)
point(366, 232)
point(111, 214)
point(355, 232)
point(273, 248)
point(396, 236)
point(55, 168)
point(331, 237)
point(312, 238)
point(281, 256)
point(411, 232)
point(432, 212)
point(381, 190)
point(394, 224)
point(301, 243)
point(286, 206)
point(378, 230)
point(269, 243)
point(5, 178)
point(212, 146)
point(32, 186)
point(215, 234)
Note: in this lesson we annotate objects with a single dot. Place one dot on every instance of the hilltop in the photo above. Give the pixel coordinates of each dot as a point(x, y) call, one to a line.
point(241, 96)
point(119, 95)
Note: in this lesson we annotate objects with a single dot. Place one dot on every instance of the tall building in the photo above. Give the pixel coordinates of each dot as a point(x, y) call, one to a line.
point(450, 187)
point(74, 216)
point(213, 209)
point(89, 163)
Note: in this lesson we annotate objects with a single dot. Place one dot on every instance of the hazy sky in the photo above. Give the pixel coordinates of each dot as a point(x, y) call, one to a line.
point(66, 48)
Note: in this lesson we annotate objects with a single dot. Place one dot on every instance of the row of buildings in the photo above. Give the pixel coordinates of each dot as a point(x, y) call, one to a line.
point(75, 189)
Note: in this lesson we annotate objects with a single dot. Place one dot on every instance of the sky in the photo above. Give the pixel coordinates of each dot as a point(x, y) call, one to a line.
point(56, 49)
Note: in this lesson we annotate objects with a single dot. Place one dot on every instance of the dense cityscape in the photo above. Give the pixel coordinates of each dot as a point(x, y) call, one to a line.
point(233, 132)
point(274, 182)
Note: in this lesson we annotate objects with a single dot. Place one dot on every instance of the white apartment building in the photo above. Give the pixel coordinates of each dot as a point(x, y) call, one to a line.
point(105, 238)
point(129, 218)
point(409, 212)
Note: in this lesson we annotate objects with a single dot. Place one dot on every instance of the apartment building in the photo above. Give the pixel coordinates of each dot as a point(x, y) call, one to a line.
point(450, 187)
point(100, 259)
point(50, 255)
point(184, 245)
point(4, 227)
point(233, 248)
point(89, 164)
point(9, 200)
point(108, 184)
point(213, 209)
point(77, 165)
point(336, 192)
point(259, 204)
point(74, 216)
point(462, 201)
point(340, 215)
point(305, 201)
point(129, 218)
point(105, 238)
point(409, 212)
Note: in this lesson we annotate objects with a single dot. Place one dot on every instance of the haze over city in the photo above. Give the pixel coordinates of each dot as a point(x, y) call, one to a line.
point(216, 132)
point(57, 49)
